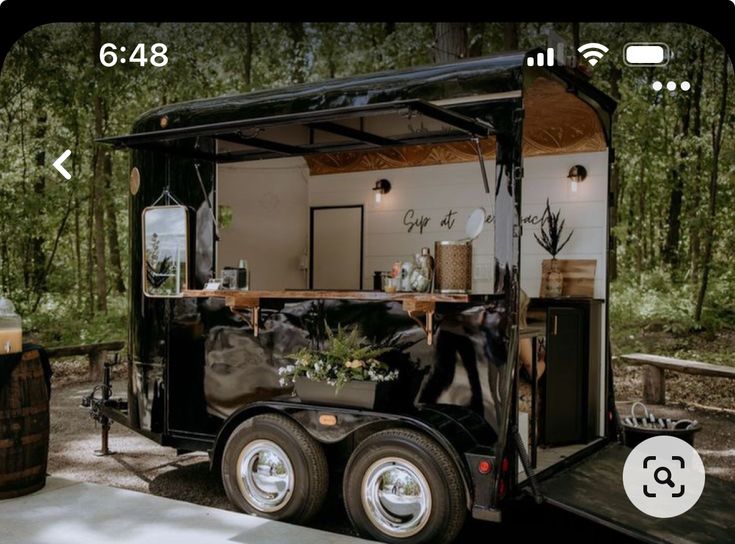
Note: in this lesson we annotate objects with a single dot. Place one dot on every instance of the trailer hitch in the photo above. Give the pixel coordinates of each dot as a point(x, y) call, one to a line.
point(96, 405)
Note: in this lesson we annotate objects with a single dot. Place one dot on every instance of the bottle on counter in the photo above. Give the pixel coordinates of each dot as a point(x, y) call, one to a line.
point(424, 270)
point(11, 330)
point(243, 275)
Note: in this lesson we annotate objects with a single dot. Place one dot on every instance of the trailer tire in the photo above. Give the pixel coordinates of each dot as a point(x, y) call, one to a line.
point(438, 510)
point(271, 467)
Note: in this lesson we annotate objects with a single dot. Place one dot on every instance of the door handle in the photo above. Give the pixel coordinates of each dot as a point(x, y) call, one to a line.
point(556, 324)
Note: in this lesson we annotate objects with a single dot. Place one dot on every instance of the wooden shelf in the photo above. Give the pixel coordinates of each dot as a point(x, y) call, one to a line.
point(306, 294)
point(415, 304)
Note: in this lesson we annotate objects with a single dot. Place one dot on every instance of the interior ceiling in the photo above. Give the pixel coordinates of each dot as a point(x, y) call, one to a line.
point(556, 122)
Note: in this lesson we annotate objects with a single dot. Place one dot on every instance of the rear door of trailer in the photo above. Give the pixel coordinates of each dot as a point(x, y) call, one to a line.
point(593, 488)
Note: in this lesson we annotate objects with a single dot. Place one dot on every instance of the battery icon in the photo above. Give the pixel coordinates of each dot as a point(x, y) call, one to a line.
point(646, 54)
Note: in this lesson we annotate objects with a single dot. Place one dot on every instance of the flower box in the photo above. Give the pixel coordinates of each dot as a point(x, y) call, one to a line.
point(354, 394)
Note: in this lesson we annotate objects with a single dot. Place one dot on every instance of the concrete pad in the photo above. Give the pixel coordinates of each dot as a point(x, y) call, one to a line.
point(52, 484)
point(66, 512)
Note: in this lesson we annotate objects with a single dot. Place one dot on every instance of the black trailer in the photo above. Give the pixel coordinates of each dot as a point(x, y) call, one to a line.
point(203, 365)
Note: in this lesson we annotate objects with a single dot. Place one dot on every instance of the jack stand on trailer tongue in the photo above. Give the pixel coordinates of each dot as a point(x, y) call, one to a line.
point(104, 420)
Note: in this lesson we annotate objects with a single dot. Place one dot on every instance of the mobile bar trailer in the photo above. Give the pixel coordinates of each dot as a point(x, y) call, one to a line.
point(284, 178)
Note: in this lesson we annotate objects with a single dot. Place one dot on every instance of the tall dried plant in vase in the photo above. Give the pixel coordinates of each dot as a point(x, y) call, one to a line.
point(552, 234)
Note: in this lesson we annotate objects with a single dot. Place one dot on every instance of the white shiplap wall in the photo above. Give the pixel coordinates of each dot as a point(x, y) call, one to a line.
point(431, 191)
point(585, 212)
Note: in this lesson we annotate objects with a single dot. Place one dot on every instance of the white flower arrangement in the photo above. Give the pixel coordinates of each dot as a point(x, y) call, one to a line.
point(346, 357)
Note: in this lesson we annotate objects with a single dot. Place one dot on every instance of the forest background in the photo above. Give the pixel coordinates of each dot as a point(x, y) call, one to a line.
point(63, 245)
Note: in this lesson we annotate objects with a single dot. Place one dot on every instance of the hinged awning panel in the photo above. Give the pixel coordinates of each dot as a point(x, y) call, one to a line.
point(396, 123)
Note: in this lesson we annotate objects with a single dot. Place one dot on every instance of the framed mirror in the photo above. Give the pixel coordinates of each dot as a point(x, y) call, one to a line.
point(165, 247)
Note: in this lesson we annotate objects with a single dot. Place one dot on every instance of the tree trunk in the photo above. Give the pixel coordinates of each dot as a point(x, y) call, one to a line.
point(77, 242)
point(98, 211)
point(673, 235)
point(642, 249)
point(90, 250)
point(248, 56)
point(4, 268)
point(615, 176)
point(24, 249)
point(297, 34)
point(712, 208)
point(695, 241)
point(39, 189)
point(510, 36)
point(476, 39)
point(113, 241)
point(78, 251)
point(451, 41)
point(49, 264)
point(98, 183)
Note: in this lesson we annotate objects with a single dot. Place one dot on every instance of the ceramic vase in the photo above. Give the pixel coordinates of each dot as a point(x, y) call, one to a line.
point(554, 280)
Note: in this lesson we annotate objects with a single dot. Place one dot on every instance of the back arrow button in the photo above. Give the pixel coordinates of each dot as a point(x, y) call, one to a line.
point(57, 164)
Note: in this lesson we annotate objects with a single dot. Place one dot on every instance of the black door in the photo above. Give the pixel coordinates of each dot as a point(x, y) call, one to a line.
point(565, 399)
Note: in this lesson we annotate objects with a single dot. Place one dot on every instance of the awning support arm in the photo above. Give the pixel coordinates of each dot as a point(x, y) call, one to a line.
point(209, 203)
point(476, 141)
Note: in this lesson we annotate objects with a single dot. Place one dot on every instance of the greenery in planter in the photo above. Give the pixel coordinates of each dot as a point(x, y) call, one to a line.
point(345, 356)
point(551, 232)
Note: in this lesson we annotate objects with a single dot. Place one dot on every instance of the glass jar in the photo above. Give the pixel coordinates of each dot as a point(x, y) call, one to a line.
point(11, 331)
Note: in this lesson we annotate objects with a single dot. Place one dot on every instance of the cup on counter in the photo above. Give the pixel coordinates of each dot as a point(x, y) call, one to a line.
point(392, 285)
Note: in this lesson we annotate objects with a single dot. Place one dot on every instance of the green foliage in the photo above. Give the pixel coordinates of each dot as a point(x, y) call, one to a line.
point(346, 356)
point(657, 303)
point(58, 323)
point(656, 317)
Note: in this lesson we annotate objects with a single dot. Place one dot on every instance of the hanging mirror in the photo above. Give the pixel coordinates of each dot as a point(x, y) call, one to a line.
point(165, 243)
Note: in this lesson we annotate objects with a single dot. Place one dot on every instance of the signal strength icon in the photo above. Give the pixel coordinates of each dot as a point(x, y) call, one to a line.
point(542, 59)
point(593, 52)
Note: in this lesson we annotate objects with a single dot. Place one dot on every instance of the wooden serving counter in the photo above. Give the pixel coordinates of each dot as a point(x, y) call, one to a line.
point(415, 304)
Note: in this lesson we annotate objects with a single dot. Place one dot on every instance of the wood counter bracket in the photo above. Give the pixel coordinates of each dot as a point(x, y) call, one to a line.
point(415, 308)
point(253, 320)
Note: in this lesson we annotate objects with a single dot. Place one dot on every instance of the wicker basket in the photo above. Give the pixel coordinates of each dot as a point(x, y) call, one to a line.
point(453, 266)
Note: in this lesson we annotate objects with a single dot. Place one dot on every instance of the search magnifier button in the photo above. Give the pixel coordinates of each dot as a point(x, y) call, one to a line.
point(668, 481)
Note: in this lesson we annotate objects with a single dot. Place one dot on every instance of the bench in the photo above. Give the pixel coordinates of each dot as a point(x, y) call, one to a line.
point(95, 352)
point(654, 386)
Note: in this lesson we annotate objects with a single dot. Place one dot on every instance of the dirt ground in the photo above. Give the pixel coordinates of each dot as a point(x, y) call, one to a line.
point(138, 464)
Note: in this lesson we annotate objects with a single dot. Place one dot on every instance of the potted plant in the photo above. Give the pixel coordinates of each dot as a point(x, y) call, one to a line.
point(345, 370)
point(552, 228)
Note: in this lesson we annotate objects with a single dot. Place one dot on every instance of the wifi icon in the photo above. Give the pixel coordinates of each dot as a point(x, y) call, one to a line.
point(593, 52)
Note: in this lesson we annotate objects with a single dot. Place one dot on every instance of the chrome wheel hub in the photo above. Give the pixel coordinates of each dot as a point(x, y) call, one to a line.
point(396, 497)
point(265, 475)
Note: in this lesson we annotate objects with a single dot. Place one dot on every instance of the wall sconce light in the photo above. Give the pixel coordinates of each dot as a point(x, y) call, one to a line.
point(382, 187)
point(577, 174)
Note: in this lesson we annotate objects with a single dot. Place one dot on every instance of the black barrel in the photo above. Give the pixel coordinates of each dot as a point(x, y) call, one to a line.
point(24, 424)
